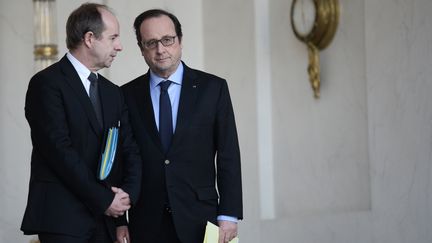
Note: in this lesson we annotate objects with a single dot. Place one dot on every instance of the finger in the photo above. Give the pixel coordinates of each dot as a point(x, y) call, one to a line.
point(122, 194)
point(227, 237)
point(230, 234)
point(125, 200)
point(125, 203)
point(221, 236)
point(119, 239)
point(120, 211)
point(124, 208)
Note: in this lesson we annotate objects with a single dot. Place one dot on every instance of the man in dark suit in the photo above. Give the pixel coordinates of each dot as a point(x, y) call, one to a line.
point(184, 124)
point(69, 109)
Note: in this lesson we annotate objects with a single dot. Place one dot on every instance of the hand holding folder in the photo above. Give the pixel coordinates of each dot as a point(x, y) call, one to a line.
point(212, 234)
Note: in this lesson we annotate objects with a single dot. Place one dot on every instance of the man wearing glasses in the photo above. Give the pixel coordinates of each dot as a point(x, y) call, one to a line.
point(184, 124)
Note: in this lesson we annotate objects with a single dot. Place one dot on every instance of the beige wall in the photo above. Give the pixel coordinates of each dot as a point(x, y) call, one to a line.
point(16, 66)
point(353, 166)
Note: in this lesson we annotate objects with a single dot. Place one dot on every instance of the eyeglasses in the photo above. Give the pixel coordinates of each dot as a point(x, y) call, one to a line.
point(165, 41)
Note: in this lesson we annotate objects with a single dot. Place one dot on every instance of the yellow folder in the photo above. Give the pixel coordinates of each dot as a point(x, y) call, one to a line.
point(212, 234)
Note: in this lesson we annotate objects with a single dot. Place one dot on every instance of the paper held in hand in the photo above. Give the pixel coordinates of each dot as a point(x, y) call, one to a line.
point(212, 234)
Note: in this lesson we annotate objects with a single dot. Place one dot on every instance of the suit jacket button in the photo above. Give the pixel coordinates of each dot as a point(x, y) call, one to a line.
point(167, 162)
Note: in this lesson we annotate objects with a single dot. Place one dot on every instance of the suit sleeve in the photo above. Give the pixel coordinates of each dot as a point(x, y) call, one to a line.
point(45, 112)
point(131, 176)
point(228, 158)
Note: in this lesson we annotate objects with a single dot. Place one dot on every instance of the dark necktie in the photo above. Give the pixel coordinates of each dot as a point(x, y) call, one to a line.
point(94, 97)
point(165, 116)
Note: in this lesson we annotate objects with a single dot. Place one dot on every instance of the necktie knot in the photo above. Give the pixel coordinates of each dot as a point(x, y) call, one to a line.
point(164, 85)
point(92, 78)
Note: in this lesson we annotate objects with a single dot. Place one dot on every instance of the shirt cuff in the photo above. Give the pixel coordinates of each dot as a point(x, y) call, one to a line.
point(227, 218)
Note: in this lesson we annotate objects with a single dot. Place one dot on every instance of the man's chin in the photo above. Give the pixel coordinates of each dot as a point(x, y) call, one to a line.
point(163, 68)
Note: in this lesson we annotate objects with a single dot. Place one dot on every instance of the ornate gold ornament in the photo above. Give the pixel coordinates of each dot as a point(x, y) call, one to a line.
point(315, 22)
point(45, 51)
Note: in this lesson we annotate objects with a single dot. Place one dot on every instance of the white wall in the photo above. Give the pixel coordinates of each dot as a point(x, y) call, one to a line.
point(16, 68)
point(399, 56)
point(353, 166)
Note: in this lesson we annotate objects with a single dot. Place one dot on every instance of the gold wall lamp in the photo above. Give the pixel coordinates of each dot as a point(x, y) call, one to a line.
point(45, 33)
point(314, 22)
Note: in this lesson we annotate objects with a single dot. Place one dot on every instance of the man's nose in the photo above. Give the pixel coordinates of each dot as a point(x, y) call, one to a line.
point(119, 46)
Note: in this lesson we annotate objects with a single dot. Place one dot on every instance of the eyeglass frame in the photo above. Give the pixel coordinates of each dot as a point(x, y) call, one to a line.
point(156, 42)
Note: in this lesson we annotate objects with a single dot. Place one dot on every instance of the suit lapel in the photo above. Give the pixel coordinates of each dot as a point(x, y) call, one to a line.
point(145, 106)
point(71, 76)
point(188, 95)
point(108, 102)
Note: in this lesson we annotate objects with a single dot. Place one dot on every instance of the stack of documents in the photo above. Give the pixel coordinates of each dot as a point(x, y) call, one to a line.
point(212, 234)
point(108, 155)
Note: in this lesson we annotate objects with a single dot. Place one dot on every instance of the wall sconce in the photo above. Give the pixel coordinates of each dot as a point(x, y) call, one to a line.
point(45, 33)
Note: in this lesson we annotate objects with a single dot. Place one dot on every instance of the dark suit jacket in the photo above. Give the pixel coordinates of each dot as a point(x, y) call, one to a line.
point(65, 196)
point(205, 130)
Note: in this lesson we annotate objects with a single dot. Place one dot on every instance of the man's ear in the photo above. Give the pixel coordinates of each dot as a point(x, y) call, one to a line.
point(88, 39)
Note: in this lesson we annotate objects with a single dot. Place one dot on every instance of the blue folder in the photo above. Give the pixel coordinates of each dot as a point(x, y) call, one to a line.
point(108, 156)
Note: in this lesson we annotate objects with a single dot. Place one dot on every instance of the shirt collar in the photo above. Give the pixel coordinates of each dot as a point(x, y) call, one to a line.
point(176, 77)
point(82, 70)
